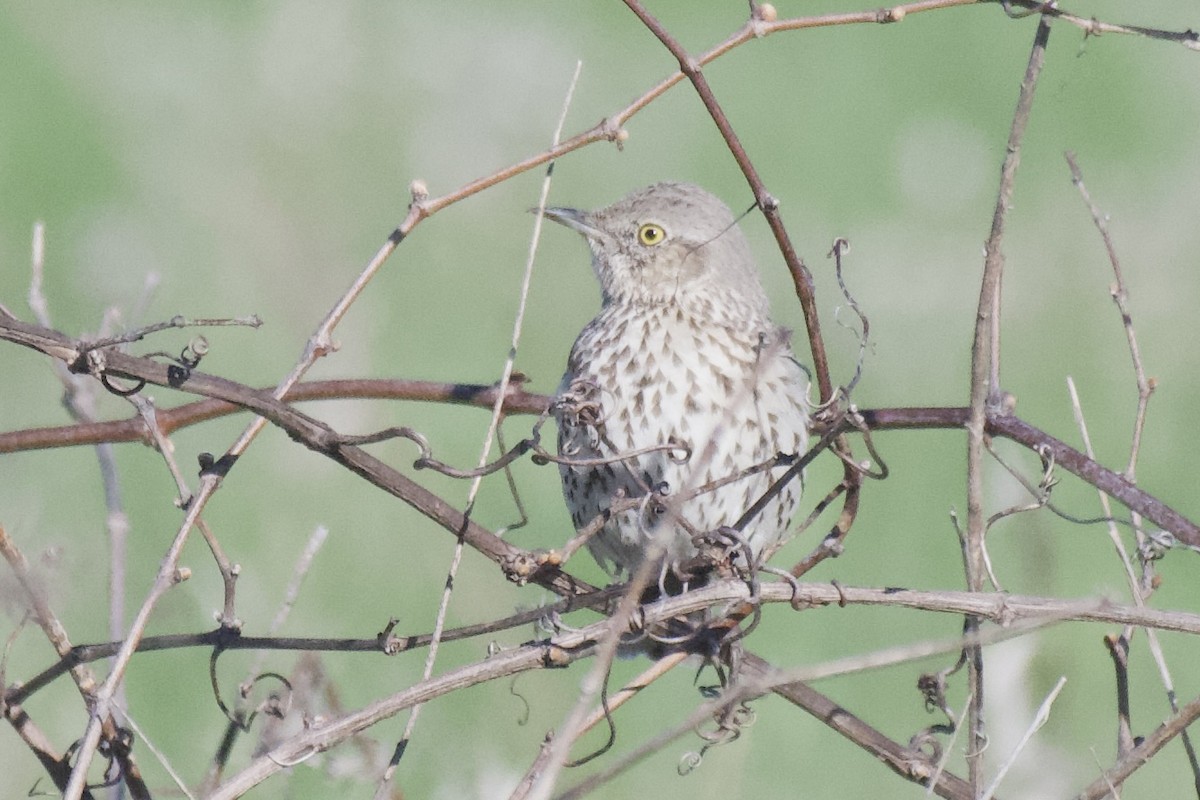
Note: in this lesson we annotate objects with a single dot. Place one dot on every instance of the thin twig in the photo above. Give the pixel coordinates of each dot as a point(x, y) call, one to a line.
point(1039, 719)
point(1142, 754)
point(80, 400)
point(385, 782)
point(1139, 589)
point(757, 682)
point(985, 389)
point(1120, 296)
point(516, 401)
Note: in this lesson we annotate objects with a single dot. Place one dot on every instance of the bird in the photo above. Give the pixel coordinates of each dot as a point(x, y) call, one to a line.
point(678, 389)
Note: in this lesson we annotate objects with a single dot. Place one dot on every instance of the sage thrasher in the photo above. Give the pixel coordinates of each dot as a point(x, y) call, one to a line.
point(679, 385)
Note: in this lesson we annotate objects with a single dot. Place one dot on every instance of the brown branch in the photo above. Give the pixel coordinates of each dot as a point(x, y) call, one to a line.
point(1141, 755)
point(801, 277)
point(517, 401)
point(237, 396)
point(1111, 483)
point(909, 763)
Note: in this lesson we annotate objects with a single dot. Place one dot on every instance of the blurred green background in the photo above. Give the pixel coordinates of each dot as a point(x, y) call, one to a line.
point(252, 157)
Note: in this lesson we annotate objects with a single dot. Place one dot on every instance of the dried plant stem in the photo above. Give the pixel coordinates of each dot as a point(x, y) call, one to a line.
point(1139, 589)
point(1142, 754)
point(985, 393)
point(1039, 719)
point(385, 783)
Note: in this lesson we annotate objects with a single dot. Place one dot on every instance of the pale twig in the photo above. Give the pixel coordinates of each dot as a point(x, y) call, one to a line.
point(149, 413)
point(145, 740)
point(166, 448)
point(37, 297)
point(300, 570)
point(497, 414)
point(631, 689)
point(1105, 505)
point(1140, 589)
point(80, 400)
point(1113, 791)
point(177, 321)
point(1120, 296)
point(560, 555)
point(1039, 719)
point(591, 687)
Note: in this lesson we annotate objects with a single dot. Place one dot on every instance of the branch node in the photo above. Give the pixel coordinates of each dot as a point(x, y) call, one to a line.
point(555, 656)
point(419, 191)
point(521, 567)
point(761, 15)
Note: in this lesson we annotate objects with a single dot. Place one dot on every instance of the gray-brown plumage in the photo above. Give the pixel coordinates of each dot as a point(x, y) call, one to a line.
point(683, 351)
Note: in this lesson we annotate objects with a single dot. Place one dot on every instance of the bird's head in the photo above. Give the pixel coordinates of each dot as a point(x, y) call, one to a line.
point(669, 243)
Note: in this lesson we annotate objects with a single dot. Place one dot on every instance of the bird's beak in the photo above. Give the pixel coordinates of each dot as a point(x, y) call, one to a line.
point(576, 220)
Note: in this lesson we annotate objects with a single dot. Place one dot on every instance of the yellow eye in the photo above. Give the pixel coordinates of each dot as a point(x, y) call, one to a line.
point(651, 234)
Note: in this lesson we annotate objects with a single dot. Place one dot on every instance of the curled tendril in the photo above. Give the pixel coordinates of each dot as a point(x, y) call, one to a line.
point(273, 706)
point(523, 717)
point(112, 770)
point(797, 602)
point(689, 761)
point(925, 741)
point(840, 247)
point(860, 424)
point(679, 452)
point(120, 391)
